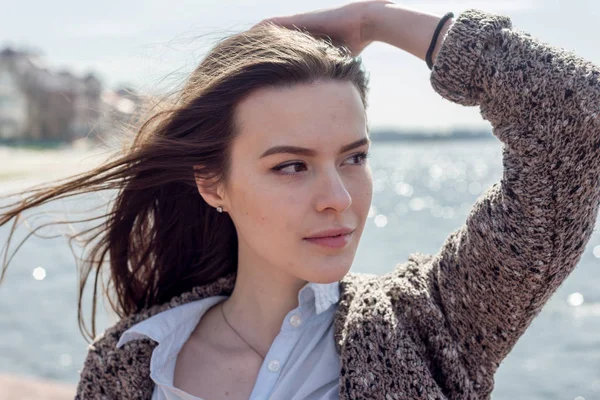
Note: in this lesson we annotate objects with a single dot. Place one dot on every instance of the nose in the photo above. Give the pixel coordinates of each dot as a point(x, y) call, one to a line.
point(333, 193)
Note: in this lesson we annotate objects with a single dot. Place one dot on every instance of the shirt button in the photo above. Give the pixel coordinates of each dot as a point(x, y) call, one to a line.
point(295, 320)
point(274, 366)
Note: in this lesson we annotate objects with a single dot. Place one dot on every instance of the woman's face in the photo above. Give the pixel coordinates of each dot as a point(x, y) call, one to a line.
point(277, 200)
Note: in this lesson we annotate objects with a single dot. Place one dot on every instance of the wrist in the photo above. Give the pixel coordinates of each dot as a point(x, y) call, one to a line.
point(440, 39)
point(407, 29)
point(369, 16)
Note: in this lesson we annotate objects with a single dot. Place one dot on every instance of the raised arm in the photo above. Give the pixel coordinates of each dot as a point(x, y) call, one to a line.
point(526, 233)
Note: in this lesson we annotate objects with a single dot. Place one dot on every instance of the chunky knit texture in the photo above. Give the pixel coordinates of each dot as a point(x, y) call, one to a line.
point(437, 327)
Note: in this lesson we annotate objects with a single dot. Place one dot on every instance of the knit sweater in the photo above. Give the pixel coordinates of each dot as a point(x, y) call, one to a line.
point(438, 326)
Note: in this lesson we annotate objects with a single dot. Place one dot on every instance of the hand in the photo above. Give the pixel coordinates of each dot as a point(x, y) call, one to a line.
point(347, 24)
point(360, 23)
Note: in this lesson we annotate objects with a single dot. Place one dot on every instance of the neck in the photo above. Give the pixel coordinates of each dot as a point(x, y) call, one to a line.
point(259, 303)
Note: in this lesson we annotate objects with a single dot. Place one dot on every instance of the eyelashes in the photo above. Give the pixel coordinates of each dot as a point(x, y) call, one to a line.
point(361, 157)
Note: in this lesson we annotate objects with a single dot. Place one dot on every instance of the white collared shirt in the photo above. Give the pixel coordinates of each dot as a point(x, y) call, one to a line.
point(302, 362)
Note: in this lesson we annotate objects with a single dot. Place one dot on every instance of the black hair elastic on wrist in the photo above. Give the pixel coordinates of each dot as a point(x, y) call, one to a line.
point(434, 40)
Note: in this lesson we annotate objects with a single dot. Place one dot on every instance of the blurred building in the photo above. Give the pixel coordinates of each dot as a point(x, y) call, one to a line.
point(39, 104)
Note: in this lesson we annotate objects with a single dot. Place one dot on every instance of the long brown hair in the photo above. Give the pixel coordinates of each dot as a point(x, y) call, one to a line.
point(159, 236)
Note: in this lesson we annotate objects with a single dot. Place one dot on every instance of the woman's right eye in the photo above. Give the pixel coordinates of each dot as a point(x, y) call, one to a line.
point(279, 169)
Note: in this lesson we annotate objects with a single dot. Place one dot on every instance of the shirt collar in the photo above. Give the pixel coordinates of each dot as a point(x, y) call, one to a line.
point(186, 316)
point(324, 295)
point(181, 319)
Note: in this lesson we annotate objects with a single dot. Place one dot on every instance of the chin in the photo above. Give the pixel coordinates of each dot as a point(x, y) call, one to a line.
point(329, 276)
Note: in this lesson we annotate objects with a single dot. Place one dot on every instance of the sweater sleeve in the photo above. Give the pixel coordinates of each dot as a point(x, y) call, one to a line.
point(526, 233)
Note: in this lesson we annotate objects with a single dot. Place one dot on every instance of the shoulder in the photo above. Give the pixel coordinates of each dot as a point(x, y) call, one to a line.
point(408, 295)
point(108, 369)
point(111, 372)
point(411, 282)
point(368, 302)
point(414, 273)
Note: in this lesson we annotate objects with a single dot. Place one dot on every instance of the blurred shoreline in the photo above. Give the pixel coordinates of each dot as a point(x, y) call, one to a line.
point(23, 167)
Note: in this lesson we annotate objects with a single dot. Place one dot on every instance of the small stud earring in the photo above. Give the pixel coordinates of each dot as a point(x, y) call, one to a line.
point(220, 209)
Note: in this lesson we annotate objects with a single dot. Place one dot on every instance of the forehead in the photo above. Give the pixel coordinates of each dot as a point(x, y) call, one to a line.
point(301, 114)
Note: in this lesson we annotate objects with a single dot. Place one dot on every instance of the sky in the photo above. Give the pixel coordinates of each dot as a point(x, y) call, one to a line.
point(153, 45)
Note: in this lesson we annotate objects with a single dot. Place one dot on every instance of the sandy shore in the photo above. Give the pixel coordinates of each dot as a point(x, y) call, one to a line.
point(23, 168)
point(22, 388)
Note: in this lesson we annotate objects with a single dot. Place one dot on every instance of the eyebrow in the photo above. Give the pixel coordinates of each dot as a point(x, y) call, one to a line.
point(309, 152)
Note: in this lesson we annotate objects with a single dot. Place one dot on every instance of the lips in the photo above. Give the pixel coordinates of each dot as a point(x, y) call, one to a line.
point(335, 232)
point(333, 241)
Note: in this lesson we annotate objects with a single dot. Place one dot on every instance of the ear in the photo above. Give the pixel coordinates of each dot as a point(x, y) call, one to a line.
point(210, 191)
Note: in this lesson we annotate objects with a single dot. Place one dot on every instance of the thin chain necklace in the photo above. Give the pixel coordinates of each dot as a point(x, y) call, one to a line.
point(233, 329)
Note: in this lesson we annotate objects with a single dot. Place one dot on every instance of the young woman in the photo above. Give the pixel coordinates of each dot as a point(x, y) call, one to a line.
point(240, 208)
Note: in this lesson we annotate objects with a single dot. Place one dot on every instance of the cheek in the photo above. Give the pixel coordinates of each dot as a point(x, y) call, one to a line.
point(362, 193)
point(270, 224)
point(265, 209)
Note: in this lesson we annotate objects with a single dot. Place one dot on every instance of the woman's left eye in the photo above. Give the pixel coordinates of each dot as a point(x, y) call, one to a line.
point(361, 157)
